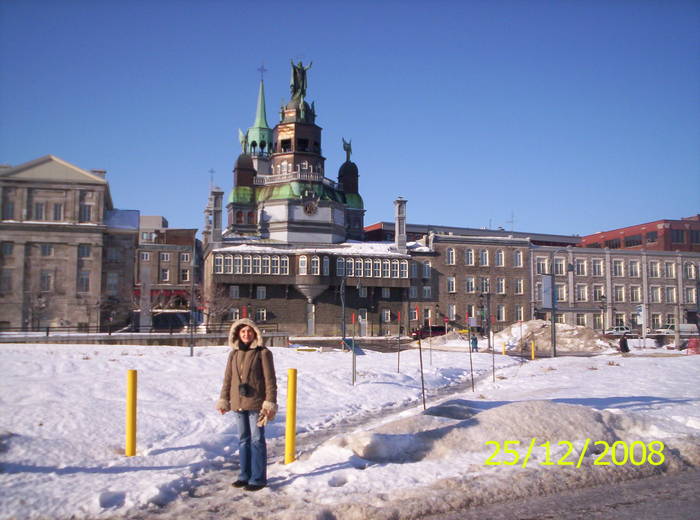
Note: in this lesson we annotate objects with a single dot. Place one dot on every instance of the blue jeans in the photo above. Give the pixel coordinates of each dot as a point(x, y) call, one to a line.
point(252, 449)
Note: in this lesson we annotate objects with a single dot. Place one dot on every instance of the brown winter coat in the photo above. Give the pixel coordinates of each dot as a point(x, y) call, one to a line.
point(255, 365)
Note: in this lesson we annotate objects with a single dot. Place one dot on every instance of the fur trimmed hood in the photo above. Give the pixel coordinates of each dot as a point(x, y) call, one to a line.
point(233, 340)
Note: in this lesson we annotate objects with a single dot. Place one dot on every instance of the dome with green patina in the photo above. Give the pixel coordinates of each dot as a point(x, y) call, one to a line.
point(354, 201)
point(242, 195)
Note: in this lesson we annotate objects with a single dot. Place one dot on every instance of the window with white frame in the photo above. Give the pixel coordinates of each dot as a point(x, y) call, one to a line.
point(635, 293)
point(184, 257)
point(394, 268)
point(349, 267)
point(83, 281)
point(386, 293)
point(413, 314)
point(560, 318)
point(690, 294)
point(234, 291)
point(470, 311)
point(368, 267)
point(690, 271)
point(184, 275)
point(483, 257)
point(451, 312)
point(498, 260)
point(541, 265)
point(340, 266)
point(670, 319)
point(635, 318)
point(386, 264)
point(145, 256)
point(58, 211)
point(500, 312)
point(597, 321)
point(256, 264)
point(260, 314)
point(266, 264)
point(260, 292)
point(618, 267)
point(500, 285)
point(581, 320)
point(597, 267)
point(581, 292)
point(669, 269)
point(46, 249)
point(670, 295)
point(46, 280)
point(654, 294)
point(413, 292)
point(165, 275)
point(519, 313)
point(517, 258)
point(654, 271)
point(559, 268)
point(427, 313)
point(561, 292)
point(538, 291)
point(580, 266)
point(315, 266)
point(234, 313)
point(426, 269)
point(598, 293)
point(485, 285)
point(619, 319)
point(403, 269)
point(247, 264)
point(633, 268)
point(469, 257)
point(302, 265)
point(427, 292)
point(386, 315)
point(228, 264)
point(274, 265)
point(359, 268)
point(284, 265)
point(326, 266)
point(218, 264)
point(655, 320)
point(469, 285)
point(519, 286)
point(165, 257)
point(377, 268)
point(619, 293)
point(450, 256)
point(237, 264)
point(451, 284)
point(361, 291)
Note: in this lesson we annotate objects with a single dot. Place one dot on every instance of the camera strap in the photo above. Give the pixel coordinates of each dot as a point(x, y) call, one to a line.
point(235, 362)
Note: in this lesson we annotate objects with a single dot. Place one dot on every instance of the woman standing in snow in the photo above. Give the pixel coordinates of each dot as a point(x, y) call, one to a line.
point(623, 344)
point(250, 391)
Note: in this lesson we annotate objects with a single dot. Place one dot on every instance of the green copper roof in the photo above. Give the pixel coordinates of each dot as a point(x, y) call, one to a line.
point(241, 195)
point(354, 201)
point(260, 115)
point(260, 132)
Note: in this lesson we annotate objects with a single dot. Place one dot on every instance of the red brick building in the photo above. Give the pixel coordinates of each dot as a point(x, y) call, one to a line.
point(660, 235)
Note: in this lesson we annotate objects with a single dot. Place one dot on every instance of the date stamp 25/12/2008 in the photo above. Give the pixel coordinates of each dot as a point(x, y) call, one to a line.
point(618, 453)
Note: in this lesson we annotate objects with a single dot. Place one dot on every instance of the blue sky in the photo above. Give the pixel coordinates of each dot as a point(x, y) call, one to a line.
point(573, 116)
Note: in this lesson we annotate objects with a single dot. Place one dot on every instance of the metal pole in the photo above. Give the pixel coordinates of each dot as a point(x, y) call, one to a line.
point(342, 304)
point(488, 335)
point(192, 306)
point(422, 381)
point(471, 362)
point(554, 305)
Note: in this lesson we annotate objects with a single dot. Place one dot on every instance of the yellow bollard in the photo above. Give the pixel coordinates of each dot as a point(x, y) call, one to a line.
point(290, 432)
point(504, 349)
point(532, 346)
point(130, 413)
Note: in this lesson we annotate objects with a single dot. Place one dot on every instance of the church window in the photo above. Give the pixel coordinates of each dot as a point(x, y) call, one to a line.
point(275, 265)
point(284, 265)
point(246, 264)
point(266, 265)
point(394, 268)
point(326, 266)
point(368, 267)
point(237, 264)
point(239, 217)
point(315, 265)
point(340, 266)
point(404, 269)
point(253, 145)
point(302, 265)
point(256, 264)
point(377, 271)
point(228, 264)
point(358, 267)
point(218, 264)
point(350, 267)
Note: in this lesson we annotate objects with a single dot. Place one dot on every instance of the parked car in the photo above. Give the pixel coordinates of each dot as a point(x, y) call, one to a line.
point(425, 331)
point(618, 330)
point(684, 329)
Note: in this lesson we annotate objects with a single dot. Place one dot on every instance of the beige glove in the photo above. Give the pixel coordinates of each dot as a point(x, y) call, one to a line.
point(268, 412)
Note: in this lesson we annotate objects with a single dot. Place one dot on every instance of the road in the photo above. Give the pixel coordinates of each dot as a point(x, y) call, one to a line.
point(671, 497)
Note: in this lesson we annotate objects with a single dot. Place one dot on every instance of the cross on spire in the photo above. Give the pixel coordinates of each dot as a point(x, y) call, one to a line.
point(212, 171)
point(262, 71)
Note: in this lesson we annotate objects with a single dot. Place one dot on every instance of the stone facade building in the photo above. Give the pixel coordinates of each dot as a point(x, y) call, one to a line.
point(67, 255)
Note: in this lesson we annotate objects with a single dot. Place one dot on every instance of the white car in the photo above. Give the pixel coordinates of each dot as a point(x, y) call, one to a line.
point(619, 330)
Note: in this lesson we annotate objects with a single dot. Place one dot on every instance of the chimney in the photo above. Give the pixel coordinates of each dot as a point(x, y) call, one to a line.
point(100, 173)
point(400, 224)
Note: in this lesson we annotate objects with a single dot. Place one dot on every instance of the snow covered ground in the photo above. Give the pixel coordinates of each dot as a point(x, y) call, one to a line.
point(62, 430)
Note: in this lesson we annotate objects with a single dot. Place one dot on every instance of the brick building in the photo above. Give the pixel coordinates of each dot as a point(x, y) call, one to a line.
point(660, 235)
point(67, 254)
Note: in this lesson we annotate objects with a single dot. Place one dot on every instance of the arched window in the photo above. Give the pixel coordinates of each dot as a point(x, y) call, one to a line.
point(368, 267)
point(251, 217)
point(358, 267)
point(385, 268)
point(469, 257)
point(315, 265)
point(228, 264)
point(450, 256)
point(326, 266)
point(499, 258)
point(239, 217)
point(404, 269)
point(517, 258)
point(483, 257)
point(266, 265)
point(256, 264)
point(350, 267)
point(284, 265)
point(377, 271)
point(219, 264)
point(246, 264)
point(340, 266)
point(275, 265)
point(302, 265)
point(394, 268)
point(237, 264)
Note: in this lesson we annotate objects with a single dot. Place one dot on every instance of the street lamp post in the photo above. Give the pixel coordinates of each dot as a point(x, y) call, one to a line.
point(342, 305)
point(603, 310)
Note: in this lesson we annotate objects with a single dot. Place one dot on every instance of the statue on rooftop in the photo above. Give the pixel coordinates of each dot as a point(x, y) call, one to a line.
point(298, 80)
point(347, 146)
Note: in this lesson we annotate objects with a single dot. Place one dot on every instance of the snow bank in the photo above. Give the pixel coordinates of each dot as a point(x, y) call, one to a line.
point(570, 338)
